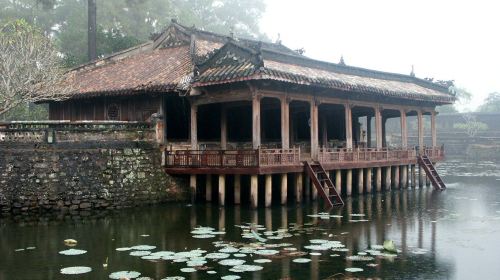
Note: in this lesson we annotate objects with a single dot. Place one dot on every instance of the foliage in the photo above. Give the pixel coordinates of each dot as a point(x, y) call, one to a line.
point(124, 23)
point(27, 112)
point(447, 109)
point(30, 67)
point(491, 104)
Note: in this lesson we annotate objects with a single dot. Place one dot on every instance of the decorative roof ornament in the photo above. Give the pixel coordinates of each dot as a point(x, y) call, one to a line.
point(412, 71)
point(342, 62)
point(300, 51)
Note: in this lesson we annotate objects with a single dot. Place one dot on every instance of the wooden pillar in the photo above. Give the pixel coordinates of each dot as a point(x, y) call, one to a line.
point(314, 130)
point(298, 187)
point(208, 188)
point(348, 127)
point(420, 130)
point(349, 182)
point(268, 189)
point(222, 189)
point(404, 176)
point(384, 132)
point(396, 177)
point(284, 188)
point(192, 187)
point(369, 131)
point(338, 181)
point(223, 128)
point(378, 127)
point(285, 123)
point(324, 130)
point(256, 121)
point(413, 176)
point(194, 127)
point(368, 180)
point(254, 191)
point(433, 129)
point(307, 188)
point(378, 179)
point(404, 129)
point(237, 189)
point(360, 181)
point(388, 178)
point(427, 181)
point(421, 176)
point(314, 191)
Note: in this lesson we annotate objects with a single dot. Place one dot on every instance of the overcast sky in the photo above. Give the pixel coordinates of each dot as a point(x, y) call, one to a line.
point(445, 39)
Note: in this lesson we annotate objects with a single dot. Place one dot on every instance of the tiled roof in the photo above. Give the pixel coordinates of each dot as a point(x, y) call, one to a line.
point(304, 71)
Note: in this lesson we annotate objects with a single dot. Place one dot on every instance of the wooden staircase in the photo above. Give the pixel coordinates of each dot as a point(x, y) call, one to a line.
point(430, 170)
point(323, 184)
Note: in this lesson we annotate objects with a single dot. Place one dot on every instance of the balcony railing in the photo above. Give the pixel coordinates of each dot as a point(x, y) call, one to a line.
point(288, 157)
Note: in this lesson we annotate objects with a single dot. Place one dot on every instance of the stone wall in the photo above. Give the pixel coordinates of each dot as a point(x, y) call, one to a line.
point(81, 166)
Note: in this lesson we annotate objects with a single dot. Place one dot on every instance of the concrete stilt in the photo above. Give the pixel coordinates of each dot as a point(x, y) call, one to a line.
point(349, 182)
point(427, 181)
point(208, 188)
point(254, 191)
point(368, 180)
point(284, 188)
point(222, 190)
point(388, 178)
point(314, 191)
point(420, 177)
point(360, 181)
point(298, 187)
point(269, 190)
point(413, 176)
point(192, 187)
point(237, 189)
point(306, 187)
point(338, 181)
point(378, 179)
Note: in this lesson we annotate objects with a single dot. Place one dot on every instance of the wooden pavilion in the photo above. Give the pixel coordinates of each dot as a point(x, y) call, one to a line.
point(235, 107)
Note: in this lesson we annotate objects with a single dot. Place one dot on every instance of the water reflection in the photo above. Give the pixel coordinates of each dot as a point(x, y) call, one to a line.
point(448, 227)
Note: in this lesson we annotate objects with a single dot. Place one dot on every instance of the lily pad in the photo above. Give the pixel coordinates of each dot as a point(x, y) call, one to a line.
point(353, 269)
point(124, 274)
point(76, 270)
point(231, 262)
point(301, 260)
point(72, 252)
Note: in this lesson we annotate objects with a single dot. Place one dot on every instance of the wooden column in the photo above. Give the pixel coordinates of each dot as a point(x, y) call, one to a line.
point(404, 129)
point(314, 191)
point(420, 122)
point(192, 187)
point(413, 176)
point(284, 188)
point(421, 176)
point(268, 189)
point(223, 128)
point(384, 132)
point(349, 182)
point(338, 181)
point(254, 190)
point(360, 181)
point(378, 127)
point(237, 189)
point(222, 189)
point(388, 178)
point(307, 188)
point(298, 187)
point(369, 131)
point(285, 123)
point(348, 127)
point(324, 130)
point(404, 176)
point(396, 182)
point(378, 179)
point(433, 129)
point(256, 121)
point(314, 130)
point(194, 127)
point(208, 188)
point(368, 180)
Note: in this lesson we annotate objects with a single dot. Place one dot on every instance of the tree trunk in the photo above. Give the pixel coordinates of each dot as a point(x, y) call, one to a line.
point(92, 30)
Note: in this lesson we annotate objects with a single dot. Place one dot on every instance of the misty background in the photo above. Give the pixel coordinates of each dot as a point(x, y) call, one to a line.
point(443, 40)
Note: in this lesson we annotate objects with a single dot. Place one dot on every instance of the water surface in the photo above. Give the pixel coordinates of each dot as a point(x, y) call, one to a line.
point(450, 235)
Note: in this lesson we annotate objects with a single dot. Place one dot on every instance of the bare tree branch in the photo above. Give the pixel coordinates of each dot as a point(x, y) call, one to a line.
point(30, 67)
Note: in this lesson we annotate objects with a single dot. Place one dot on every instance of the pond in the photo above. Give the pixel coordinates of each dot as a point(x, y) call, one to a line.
point(450, 235)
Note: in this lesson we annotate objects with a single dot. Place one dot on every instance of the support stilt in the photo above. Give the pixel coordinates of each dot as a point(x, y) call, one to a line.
point(360, 181)
point(254, 188)
point(349, 182)
point(378, 179)
point(208, 188)
point(338, 181)
point(284, 188)
point(222, 190)
point(192, 187)
point(298, 187)
point(368, 180)
point(237, 189)
point(269, 190)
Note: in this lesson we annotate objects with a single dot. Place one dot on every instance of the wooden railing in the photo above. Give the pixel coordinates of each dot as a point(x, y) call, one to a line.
point(331, 155)
point(231, 158)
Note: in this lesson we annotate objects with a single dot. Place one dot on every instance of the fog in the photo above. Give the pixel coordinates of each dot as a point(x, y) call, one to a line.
point(445, 40)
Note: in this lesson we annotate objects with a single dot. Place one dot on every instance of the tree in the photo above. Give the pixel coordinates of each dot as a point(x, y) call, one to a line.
point(124, 23)
point(491, 103)
point(30, 67)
